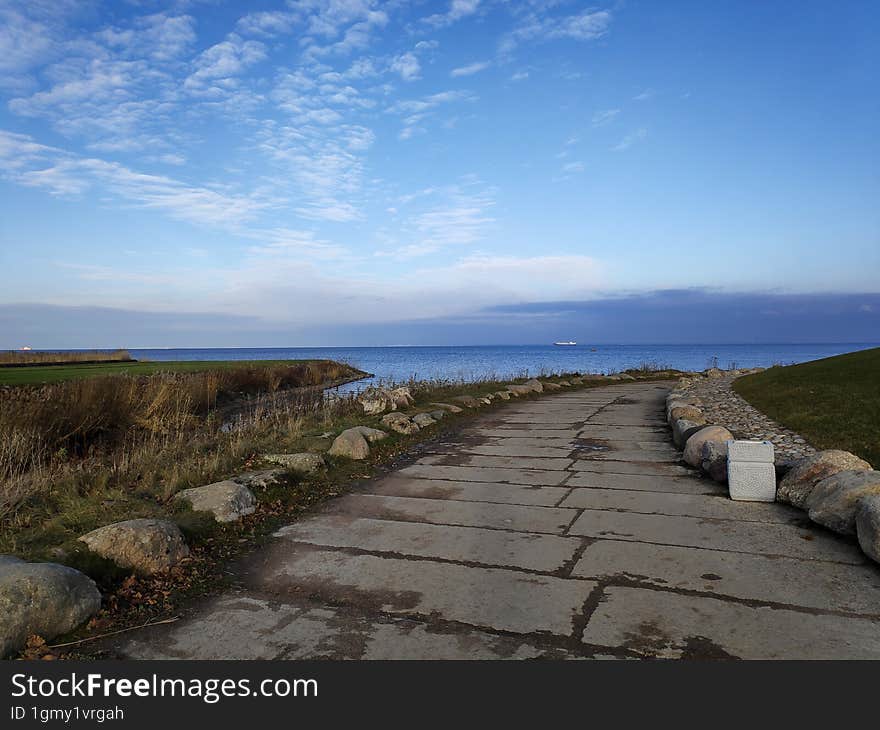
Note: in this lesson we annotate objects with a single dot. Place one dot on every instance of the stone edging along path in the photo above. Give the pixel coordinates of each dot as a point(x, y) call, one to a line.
point(837, 489)
point(50, 600)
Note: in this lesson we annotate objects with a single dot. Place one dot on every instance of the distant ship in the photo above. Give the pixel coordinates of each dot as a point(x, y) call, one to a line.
point(25, 349)
point(570, 343)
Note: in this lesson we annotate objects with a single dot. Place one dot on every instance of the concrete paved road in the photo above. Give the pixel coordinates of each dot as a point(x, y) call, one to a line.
point(562, 527)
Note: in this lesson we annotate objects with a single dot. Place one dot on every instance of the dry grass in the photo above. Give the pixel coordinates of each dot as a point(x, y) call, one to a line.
point(30, 357)
point(117, 429)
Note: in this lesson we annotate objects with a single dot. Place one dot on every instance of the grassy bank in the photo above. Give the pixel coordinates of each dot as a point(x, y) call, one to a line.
point(833, 403)
point(64, 445)
point(42, 374)
point(16, 358)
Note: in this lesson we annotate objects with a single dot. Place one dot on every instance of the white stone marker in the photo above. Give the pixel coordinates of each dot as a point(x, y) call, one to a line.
point(751, 475)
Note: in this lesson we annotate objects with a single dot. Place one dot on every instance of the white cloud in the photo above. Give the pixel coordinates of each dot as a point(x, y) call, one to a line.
point(267, 23)
point(645, 95)
point(631, 139)
point(600, 119)
point(217, 68)
point(573, 167)
point(586, 26)
point(520, 76)
point(407, 65)
point(470, 69)
point(458, 9)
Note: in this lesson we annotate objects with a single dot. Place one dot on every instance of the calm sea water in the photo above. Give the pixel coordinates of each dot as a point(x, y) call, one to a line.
point(396, 364)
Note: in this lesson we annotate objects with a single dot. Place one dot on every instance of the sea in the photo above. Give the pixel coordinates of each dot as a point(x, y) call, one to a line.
point(399, 364)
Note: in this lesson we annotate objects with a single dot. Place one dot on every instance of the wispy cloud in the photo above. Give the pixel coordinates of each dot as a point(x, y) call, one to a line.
point(585, 26)
point(631, 139)
point(470, 69)
point(458, 9)
point(600, 119)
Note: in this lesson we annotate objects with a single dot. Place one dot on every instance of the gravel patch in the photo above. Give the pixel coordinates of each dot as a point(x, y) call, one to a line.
point(721, 405)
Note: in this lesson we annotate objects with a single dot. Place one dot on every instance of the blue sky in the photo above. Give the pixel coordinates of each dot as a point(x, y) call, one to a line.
point(347, 172)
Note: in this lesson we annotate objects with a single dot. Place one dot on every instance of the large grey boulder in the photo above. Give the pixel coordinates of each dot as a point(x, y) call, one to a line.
point(468, 401)
point(261, 479)
point(378, 400)
point(551, 386)
point(144, 545)
point(45, 599)
point(798, 482)
point(693, 447)
point(535, 385)
point(518, 390)
point(713, 460)
point(350, 444)
point(304, 463)
point(681, 429)
point(370, 434)
point(691, 413)
point(448, 407)
point(868, 525)
point(834, 500)
point(503, 394)
point(228, 501)
point(437, 415)
point(400, 423)
point(422, 420)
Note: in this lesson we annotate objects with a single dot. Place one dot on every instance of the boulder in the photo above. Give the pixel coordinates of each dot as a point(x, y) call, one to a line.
point(868, 525)
point(626, 376)
point(437, 415)
point(518, 390)
point(423, 419)
point(350, 444)
point(448, 407)
point(713, 373)
point(693, 447)
point(261, 479)
point(713, 460)
point(468, 401)
point(304, 463)
point(228, 501)
point(551, 386)
point(400, 423)
point(503, 394)
point(370, 434)
point(691, 413)
point(145, 545)
point(680, 431)
point(536, 385)
point(45, 599)
point(379, 400)
point(834, 500)
point(564, 383)
point(798, 482)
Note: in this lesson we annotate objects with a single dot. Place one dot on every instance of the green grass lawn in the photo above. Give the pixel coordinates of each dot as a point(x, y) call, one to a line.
point(833, 403)
point(58, 373)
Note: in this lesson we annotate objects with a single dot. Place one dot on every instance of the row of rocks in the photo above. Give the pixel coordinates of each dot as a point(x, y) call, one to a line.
point(719, 403)
point(838, 489)
point(50, 599)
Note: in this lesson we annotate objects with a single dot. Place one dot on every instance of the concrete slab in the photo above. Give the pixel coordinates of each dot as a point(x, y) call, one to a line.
point(547, 520)
point(613, 466)
point(630, 455)
point(509, 447)
point(469, 491)
point(643, 483)
point(744, 537)
point(542, 553)
point(689, 505)
point(784, 581)
point(537, 477)
point(529, 433)
point(497, 599)
point(626, 433)
point(501, 462)
point(253, 628)
point(659, 624)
